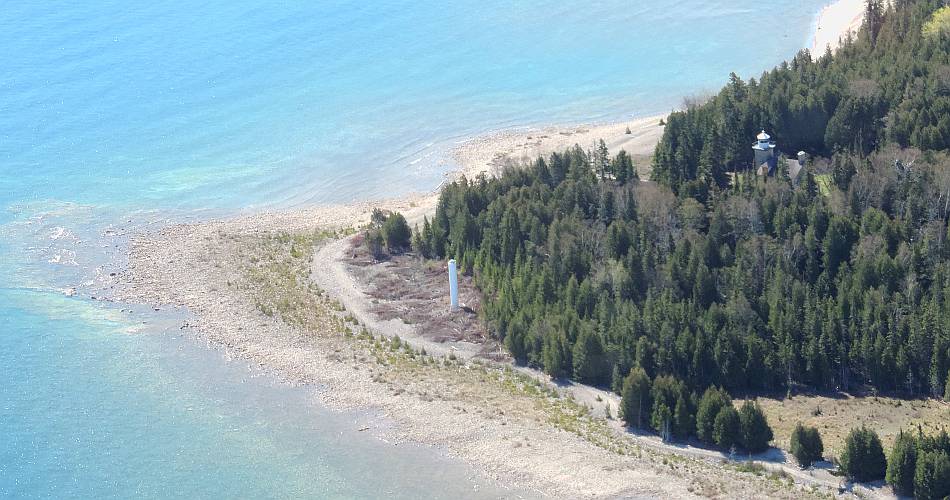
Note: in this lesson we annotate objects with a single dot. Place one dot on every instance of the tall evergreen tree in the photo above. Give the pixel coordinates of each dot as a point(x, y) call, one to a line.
point(932, 475)
point(727, 428)
point(635, 404)
point(902, 464)
point(756, 433)
point(806, 445)
point(590, 359)
point(863, 456)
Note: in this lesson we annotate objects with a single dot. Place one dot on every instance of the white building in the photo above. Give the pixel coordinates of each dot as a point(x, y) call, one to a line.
point(767, 155)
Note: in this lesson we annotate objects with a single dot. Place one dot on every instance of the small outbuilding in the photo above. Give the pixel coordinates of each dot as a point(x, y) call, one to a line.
point(767, 159)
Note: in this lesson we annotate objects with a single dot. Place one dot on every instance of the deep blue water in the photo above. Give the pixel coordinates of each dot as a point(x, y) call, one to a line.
point(116, 116)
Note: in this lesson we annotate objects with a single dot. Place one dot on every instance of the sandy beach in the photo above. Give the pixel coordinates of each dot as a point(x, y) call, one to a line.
point(269, 288)
point(835, 22)
point(495, 150)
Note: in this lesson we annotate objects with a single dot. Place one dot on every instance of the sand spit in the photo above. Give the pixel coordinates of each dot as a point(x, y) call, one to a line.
point(506, 428)
point(260, 290)
point(263, 288)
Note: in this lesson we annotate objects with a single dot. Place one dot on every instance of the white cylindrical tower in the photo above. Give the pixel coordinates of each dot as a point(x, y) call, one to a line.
point(764, 153)
point(453, 286)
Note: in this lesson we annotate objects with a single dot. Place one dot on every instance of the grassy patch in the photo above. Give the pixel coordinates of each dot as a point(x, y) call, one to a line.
point(836, 416)
point(824, 184)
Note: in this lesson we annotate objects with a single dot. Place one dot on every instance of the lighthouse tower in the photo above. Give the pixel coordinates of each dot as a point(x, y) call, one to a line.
point(766, 158)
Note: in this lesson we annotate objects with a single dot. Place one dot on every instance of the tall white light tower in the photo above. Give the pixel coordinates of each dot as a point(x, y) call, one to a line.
point(453, 287)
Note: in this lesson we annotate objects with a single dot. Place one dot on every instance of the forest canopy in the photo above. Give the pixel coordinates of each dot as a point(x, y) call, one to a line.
point(889, 85)
point(839, 281)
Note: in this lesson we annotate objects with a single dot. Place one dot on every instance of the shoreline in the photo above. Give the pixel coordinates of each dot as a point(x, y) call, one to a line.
point(833, 24)
point(487, 414)
point(494, 150)
point(436, 403)
point(193, 265)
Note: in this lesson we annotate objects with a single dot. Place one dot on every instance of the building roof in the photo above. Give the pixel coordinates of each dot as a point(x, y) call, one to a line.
point(794, 168)
point(763, 136)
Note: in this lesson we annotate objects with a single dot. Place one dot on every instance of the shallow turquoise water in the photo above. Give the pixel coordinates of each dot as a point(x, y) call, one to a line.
point(110, 102)
point(119, 116)
point(98, 409)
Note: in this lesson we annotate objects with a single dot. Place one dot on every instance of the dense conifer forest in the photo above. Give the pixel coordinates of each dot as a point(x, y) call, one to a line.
point(840, 281)
point(708, 280)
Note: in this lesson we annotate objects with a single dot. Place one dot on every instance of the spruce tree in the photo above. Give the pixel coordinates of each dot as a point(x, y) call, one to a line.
point(397, 233)
point(419, 244)
point(662, 420)
point(932, 475)
point(684, 420)
point(374, 242)
point(709, 406)
point(616, 380)
point(590, 360)
point(554, 355)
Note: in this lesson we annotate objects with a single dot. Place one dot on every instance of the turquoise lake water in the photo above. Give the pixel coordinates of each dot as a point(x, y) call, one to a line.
point(118, 116)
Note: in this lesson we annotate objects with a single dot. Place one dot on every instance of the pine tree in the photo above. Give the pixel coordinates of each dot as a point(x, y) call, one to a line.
point(873, 18)
point(932, 475)
point(635, 404)
point(377, 218)
point(902, 464)
point(622, 168)
point(608, 207)
point(419, 244)
point(662, 420)
point(684, 420)
point(616, 380)
point(554, 355)
point(397, 233)
point(602, 159)
point(590, 359)
point(806, 445)
point(710, 404)
point(756, 433)
point(863, 457)
point(727, 430)
point(374, 243)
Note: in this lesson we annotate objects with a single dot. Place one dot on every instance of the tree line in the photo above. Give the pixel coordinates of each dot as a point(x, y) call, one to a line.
point(886, 85)
point(666, 406)
point(757, 286)
point(676, 293)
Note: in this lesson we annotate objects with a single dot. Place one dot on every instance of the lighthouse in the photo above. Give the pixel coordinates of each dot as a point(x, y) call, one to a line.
point(453, 287)
point(766, 158)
